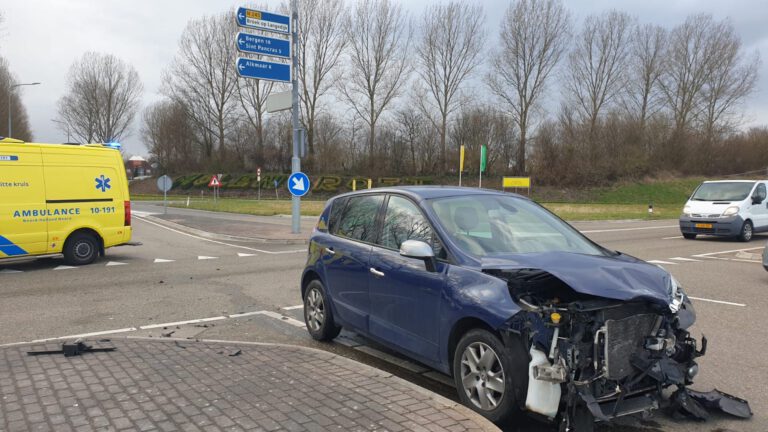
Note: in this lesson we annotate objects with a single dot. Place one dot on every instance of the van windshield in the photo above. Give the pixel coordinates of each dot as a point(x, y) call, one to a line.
point(723, 191)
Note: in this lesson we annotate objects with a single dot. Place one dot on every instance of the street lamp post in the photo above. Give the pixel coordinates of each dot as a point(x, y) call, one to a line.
point(10, 94)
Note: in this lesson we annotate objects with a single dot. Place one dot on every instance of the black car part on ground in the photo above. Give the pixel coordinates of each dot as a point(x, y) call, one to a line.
point(610, 358)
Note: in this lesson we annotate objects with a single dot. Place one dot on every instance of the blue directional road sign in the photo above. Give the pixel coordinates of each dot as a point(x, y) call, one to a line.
point(258, 44)
point(261, 20)
point(260, 69)
point(298, 184)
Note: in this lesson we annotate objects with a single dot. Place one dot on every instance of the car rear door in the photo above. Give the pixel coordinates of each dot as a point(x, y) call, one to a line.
point(345, 258)
point(405, 297)
point(759, 210)
point(23, 218)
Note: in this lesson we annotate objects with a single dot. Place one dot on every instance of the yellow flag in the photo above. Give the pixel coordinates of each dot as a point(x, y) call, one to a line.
point(461, 159)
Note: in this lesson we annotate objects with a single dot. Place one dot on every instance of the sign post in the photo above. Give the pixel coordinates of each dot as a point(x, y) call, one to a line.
point(258, 180)
point(262, 45)
point(483, 163)
point(461, 162)
point(165, 184)
point(215, 183)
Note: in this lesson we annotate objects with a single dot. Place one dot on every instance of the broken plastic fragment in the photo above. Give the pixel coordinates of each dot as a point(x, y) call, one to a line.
point(724, 402)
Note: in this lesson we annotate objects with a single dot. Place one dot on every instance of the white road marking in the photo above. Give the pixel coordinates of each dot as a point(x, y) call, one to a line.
point(293, 307)
point(707, 255)
point(203, 257)
point(670, 238)
point(140, 213)
point(180, 323)
point(717, 301)
point(628, 229)
point(86, 335)
point(115, 263)
point(223, 243)
point(240, 254)
point(661, 262)
point(685, 259)
point(64, 267)
point(161, 260)
point(289, 320)
point(10, 271)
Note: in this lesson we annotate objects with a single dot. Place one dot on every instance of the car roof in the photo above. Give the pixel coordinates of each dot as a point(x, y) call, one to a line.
point(423, 192)
point(732, 181)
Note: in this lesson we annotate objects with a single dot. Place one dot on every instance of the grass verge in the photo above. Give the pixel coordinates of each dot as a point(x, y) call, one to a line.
point(567, 211)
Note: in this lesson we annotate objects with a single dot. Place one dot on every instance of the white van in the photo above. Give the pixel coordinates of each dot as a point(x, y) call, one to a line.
point(730, 208)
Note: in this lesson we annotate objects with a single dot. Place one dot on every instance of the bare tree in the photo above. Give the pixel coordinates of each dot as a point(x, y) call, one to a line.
point(102, 98)
point(379, 34)
point(730, 77)
point(322, 39)
point(21, 129)
point(168, 136)
point(597, 65)
point(253, 96)
point(449, 51)
point(204, 80)
point(534, 35)
point(645, 66)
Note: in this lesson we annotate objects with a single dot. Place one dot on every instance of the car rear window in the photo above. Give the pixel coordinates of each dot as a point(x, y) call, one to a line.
point(357, 221)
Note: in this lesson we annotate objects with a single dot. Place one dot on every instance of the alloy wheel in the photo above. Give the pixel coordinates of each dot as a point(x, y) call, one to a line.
point(315, 310)
point(482, 376)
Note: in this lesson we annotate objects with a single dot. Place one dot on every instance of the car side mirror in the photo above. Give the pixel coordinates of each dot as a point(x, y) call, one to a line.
point(419, 250)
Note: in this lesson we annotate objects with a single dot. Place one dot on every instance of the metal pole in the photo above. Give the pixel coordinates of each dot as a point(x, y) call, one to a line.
point(295, 161)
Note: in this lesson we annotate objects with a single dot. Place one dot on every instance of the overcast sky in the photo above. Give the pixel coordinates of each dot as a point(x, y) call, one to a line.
point(40, 39)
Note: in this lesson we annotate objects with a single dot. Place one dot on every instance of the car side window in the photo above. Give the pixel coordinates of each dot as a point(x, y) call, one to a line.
point(760, 192)
point(357, 220)
point(405, 221)
point(337, 207)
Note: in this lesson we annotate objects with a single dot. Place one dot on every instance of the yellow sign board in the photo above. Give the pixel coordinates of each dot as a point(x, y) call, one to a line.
point(516, 182)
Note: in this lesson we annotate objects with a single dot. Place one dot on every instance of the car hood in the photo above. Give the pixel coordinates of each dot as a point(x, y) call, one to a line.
point(709, 207)
point(619, 277)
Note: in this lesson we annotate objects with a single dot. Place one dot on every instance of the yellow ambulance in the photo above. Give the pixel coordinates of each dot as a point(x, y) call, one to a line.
point(62, 199)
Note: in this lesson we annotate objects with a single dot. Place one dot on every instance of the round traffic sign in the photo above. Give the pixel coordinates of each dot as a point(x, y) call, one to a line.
point(298, 184)
point(164, 183)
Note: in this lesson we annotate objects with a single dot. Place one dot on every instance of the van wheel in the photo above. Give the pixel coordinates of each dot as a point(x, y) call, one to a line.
point(689, 236)
point(81, 249)
point(746, 231)
point(490, 378)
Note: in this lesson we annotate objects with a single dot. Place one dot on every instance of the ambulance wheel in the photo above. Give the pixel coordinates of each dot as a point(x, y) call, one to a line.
point(81, 249)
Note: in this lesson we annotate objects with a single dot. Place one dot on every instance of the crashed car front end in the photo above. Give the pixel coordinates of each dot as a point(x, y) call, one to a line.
point(597, 358)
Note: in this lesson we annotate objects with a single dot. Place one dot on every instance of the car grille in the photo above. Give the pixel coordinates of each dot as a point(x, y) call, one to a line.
point(702, 215)
point(623, 338)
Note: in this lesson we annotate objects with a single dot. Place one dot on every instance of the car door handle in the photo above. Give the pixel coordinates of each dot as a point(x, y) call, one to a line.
point(376, 272)
point(330, 251)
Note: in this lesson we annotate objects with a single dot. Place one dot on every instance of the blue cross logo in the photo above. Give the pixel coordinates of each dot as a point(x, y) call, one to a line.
point(103, 183)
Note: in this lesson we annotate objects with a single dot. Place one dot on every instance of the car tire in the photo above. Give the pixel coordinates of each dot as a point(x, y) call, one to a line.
point(747, 231)
point(689, 236)
point(318, 316)
point(474, 373)
point(81, 249)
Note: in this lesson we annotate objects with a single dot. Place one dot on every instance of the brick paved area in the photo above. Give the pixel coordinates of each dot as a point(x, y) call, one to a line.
point(166, 385)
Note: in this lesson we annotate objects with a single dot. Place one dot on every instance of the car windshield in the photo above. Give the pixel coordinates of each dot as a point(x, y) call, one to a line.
point(723, 191)
point(497, 224)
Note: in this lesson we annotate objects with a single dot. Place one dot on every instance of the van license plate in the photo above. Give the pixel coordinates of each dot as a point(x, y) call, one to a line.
point(702, 225)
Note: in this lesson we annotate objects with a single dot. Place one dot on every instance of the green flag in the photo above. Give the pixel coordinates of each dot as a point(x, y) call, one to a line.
point(483, 158)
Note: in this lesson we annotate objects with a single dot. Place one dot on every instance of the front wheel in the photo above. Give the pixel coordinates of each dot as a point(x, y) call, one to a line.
point(317, 313)
point(81, 249)
point(747, 230)
point(486, 377)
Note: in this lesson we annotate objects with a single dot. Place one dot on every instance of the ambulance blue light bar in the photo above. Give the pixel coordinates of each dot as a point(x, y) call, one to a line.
point(113, 145)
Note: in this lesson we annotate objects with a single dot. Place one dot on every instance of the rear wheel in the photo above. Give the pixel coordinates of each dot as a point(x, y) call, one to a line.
point(81, 249)
point(317, 313)
point(746, 231)
point(689, 236)
point(487, 378)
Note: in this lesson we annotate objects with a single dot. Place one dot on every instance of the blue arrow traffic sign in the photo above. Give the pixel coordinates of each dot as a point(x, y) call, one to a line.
point(258, 44)
point(260, 69)
point(298, 184)
point(261, 20)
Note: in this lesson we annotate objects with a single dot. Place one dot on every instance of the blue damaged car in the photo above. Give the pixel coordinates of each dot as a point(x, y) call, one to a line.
point(521, 309)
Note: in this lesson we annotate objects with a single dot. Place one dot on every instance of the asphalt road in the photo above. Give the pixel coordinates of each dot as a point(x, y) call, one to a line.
point(191, 286)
